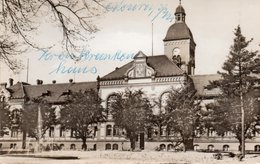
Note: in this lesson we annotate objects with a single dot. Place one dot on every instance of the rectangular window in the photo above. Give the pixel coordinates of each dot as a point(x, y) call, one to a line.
point(51, 132)
point(14, 132)
point(62, 132)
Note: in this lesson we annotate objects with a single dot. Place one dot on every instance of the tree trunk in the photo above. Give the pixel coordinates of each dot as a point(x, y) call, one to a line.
point(24, 140)
point(187, 144)
point(240, 144)
point(84, 145)
point(132, 141)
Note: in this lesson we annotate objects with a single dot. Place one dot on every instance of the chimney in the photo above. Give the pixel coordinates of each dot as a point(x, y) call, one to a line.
point(70, 80)
point(11, 82)
point(3, 85)
point(39, 82)
point(53, 81)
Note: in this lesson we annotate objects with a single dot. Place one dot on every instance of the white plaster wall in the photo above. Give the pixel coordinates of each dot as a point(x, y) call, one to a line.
point(152, 90)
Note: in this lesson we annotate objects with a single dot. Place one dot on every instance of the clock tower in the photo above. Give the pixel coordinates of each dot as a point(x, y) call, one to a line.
point(179, 45)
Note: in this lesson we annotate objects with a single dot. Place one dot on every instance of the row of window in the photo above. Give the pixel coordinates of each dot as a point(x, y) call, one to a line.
point(109, 146)
point(113, 130)
point(163, 147)
point(224, 147)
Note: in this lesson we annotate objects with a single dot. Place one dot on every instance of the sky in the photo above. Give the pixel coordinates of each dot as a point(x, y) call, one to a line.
point(125, 32)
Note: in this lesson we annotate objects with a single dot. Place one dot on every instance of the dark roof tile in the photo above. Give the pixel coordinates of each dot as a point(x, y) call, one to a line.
point(56, 90)
point(160, 63)
point(17, 90)
point(201, 81)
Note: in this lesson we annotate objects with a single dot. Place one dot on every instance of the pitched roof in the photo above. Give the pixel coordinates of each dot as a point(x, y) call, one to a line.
point(201, 81)
point(17, 90)
point(160, 63)
point(56, 91)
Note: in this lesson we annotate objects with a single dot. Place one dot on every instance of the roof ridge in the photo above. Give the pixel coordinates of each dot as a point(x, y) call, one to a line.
point(211, 74)
point(63, 83)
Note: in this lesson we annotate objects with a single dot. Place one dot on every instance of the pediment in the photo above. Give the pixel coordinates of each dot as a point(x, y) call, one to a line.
point(140, 69)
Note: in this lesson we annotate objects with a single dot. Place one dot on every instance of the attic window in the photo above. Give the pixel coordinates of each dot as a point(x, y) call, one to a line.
point(47, 93)
point(68, 92)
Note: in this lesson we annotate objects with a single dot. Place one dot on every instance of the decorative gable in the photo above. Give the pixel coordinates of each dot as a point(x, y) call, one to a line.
point(4, 93)
point(140, 69)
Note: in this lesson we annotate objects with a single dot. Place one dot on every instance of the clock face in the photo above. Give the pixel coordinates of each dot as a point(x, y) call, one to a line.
point(176, 51)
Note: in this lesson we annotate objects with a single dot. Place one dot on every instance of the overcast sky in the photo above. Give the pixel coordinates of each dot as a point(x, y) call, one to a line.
point(212, 23)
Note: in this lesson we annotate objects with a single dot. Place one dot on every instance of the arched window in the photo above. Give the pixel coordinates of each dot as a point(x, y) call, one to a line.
point(225, 147)
point(61, 146)
point(30, 145)
point(196, 147)
point(210, 147)
point(178, 17)
point(115, 131)
point(211, 132)
point(109, 130)
point(257, 147)
point(162, 147)
point(14, 131)
point(170, 147)
point(94, 147)
point(110, 100)
point(62, 132)
point(115, 146)
point(15, 116)
point(84, 147)
point(164, 99)
point(108, 146)
point(73, 147)
point(51, 132)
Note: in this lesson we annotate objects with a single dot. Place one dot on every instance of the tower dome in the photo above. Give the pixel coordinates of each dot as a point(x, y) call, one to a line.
point(179, 10)
point(179, 45)
point(178, 31)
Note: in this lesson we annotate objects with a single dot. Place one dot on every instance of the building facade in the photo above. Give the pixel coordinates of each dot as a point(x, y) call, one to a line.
point(155, 75)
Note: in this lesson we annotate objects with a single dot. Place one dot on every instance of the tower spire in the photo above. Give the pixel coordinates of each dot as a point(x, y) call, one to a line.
point(180, 14)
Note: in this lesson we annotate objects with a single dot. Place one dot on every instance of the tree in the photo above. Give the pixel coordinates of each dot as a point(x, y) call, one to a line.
point(225, 116)
point(20, 22)
point(5, 121)
point(29, 118)
point(183, 114)
point(131, 111)
point(81, 111)
point(237, 86)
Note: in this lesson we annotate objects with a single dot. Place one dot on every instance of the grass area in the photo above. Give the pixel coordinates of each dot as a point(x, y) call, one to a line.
point(118, 157)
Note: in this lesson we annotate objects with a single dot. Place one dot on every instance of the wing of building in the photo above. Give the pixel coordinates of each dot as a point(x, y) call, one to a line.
point(155, 75)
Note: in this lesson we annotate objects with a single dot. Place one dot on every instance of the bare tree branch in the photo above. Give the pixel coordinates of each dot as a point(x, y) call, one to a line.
point(20, 21)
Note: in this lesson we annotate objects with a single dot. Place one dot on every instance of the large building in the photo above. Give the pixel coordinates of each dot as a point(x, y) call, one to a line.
point(155, 75)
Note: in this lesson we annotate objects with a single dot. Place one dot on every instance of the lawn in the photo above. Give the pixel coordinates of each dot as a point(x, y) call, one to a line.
point(118, 157)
